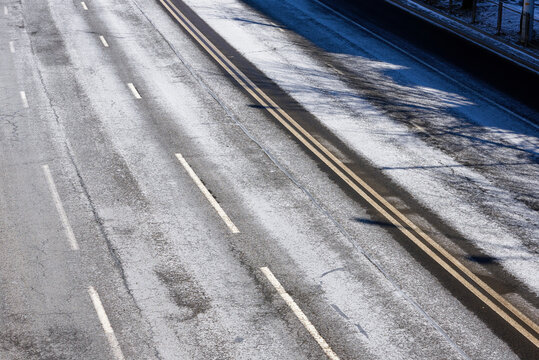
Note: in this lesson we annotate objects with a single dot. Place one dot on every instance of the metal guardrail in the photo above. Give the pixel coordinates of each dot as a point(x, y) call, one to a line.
point(527, 58)
point(510, 8)
point(503, 8)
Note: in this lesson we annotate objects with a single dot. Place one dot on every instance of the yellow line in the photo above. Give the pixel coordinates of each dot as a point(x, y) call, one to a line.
point(335, 69)
point(348, 175)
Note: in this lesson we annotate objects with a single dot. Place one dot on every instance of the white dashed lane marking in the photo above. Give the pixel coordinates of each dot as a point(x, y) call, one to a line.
point(60, 208)
point(23, 99)
point(105, 323)
point(134, 90)
point(208, 195)
point(103, 41)
point(299, 313)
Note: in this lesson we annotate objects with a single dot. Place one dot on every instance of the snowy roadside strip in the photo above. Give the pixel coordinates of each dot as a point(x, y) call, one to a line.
point(497, 303)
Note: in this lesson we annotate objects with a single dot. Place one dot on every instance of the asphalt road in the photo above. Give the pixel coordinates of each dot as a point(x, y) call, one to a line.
point(153, 207)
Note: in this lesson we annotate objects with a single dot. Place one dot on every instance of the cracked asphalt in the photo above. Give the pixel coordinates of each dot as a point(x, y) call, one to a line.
point(172, 280)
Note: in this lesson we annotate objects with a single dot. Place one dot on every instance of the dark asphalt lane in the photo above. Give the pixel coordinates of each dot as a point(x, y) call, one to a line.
point(46, 310)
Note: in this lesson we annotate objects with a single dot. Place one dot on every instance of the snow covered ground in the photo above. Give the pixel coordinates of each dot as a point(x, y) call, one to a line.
point(485, 185)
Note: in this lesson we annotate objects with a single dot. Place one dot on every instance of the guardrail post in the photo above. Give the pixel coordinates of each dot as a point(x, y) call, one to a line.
point(499, 24)
point(526, 22)
point(474, 11)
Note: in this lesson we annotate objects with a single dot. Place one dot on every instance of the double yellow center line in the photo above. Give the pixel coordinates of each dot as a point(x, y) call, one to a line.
point(476, 286)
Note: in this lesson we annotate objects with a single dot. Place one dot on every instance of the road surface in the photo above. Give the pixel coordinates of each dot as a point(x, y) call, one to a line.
point(258, 180)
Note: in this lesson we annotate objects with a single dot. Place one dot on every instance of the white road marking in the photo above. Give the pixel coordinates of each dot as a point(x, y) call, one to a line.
point(134, 90)
point(208, 195)
point(5, 10)
point(84, 5)
point(60, 208)
point(300, 315)
point(104, 42)
point(23, 99)
point(105, 323)
point(11, 47)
